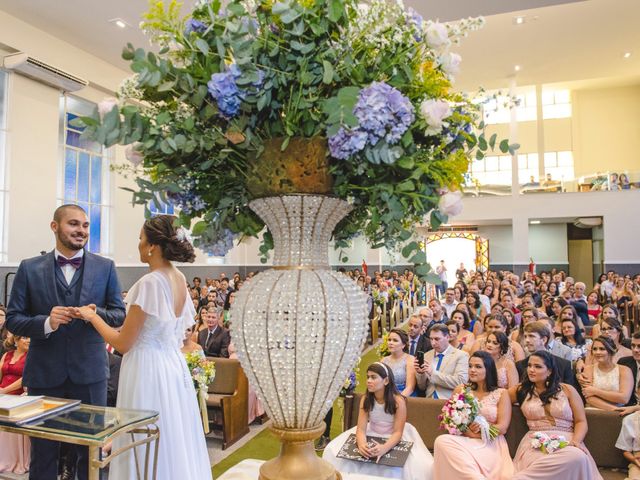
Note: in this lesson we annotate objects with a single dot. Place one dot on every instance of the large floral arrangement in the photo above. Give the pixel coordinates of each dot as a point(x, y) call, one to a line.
point(372, 82)
point(461, 410)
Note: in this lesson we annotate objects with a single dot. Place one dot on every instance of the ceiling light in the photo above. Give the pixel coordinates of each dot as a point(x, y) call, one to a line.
point(118, 22)
point(518, 20)
point(517, 68)
point(534, 222)
point(627, 54)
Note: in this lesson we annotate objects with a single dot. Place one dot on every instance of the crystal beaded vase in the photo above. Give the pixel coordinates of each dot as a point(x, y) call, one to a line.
point(299, 328)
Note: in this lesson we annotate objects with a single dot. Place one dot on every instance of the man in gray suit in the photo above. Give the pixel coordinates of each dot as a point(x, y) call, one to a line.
point(555, 346)
point(444, 367)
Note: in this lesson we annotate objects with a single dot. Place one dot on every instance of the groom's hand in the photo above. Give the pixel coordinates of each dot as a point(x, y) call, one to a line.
point(59, 316)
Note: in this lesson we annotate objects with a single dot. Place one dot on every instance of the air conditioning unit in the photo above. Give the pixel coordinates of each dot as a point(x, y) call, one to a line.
point(587, 222)
point(33, 68)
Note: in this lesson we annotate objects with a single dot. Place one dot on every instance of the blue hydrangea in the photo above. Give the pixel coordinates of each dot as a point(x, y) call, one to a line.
point(383, 113)
point(224, 89)
point(347, 142)
point(194, 26)
point(187, 200)
point(415, 19)
point(220, 246)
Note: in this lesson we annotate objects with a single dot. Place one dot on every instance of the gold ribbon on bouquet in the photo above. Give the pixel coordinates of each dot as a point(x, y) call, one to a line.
point(202, 402)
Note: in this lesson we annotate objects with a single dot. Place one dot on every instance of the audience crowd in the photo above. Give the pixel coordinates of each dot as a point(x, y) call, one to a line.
point(515, 325)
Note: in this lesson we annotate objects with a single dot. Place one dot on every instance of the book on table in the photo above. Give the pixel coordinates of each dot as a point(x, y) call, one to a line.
point(396, 457)
point(24, 409)
point(11, 405)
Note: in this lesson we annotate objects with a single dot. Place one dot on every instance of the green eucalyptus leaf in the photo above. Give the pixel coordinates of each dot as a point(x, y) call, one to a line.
point(328, 72)
point(504, 146)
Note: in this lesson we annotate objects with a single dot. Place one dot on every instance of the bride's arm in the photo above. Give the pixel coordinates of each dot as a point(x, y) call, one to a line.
point(121, 340)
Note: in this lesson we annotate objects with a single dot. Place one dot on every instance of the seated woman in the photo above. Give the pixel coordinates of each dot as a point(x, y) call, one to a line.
point(400, 362)
point(497, 323)
point(383, 413)
point(594, 309)
point(465, 337)
point(568, 312)
point(609, 311)
point(479, 311)
point(15, 449)
point(454, 333)
point(480, 459)
point(497, 345)
point(605, 384)
point(188, 344)
point(612, 329)
point(556, 409)
point(572, 337)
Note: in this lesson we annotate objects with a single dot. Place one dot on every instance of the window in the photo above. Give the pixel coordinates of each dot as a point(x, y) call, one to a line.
point(556, 104)
point(4, 87)
point(492, 170)
point(85, 173)
point(528, 171)
point(161, 208)
point(497, 109)
point(559, 165)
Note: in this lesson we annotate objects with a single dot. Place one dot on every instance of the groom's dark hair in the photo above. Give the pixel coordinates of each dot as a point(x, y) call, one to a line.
point(59, 212)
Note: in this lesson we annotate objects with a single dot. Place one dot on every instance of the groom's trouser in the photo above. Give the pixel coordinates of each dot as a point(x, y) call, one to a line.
point(44, 453)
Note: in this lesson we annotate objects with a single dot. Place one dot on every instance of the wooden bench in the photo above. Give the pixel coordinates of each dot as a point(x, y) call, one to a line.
point(229, 399)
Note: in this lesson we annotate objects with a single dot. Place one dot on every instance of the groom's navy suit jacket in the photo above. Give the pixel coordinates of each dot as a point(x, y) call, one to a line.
point(74, 351)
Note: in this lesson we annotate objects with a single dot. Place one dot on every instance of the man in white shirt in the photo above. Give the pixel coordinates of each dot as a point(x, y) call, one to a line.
point(444, 367)
point(449, 304)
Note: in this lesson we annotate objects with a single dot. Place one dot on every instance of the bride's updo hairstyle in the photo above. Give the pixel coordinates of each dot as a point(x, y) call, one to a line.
point(160, 231)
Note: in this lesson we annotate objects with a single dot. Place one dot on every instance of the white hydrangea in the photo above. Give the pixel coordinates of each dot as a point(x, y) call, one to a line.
point(434, 113)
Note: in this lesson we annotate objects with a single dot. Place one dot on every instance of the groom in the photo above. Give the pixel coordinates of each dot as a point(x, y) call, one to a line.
point(67, 358)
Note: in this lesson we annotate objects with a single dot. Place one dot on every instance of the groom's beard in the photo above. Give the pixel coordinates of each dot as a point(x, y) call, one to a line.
point(76, 242)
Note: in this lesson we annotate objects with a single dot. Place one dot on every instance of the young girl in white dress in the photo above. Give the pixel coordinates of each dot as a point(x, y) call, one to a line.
point(154, 374)
point(383, 413)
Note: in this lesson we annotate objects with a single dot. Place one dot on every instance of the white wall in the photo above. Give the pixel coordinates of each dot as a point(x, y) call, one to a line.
point(500, 243)
point(548, 243)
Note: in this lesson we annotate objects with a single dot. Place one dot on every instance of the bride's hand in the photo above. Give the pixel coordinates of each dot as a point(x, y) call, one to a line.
point(86, 313)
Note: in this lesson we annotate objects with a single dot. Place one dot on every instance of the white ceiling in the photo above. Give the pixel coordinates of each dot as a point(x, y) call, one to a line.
point(561, 40)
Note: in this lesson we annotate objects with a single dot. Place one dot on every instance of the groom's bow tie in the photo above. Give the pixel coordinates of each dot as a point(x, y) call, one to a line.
point(74, 262)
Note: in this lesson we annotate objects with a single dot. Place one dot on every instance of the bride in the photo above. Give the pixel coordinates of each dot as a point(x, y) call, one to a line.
point(154, 374)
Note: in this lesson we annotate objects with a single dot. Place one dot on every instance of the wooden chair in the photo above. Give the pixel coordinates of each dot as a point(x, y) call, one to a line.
point(229, 395)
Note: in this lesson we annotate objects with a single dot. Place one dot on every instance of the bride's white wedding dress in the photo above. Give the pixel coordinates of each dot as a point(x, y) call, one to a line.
point(154, 376)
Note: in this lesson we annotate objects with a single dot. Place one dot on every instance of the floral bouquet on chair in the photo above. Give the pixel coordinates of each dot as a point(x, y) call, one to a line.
point(351, 382)
point(202, 372)
point(460, 411)
point(383, 348)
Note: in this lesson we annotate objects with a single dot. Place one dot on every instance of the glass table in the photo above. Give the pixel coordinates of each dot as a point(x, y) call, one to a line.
point(95, 427)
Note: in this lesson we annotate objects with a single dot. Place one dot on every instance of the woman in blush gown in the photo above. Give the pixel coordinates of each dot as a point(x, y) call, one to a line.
point(154, 373)
point(383, 413)
point(486, 460)
point(553, 408)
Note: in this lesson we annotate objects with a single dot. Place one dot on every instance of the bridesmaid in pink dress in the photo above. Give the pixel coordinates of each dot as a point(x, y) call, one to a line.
point(15, 450)
point(468, 457)
point(554, 408)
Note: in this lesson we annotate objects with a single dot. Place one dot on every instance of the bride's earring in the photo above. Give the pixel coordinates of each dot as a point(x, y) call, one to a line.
point(149, 254)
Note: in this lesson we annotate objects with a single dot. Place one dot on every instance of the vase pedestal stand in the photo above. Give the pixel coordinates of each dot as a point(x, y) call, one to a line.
point(298, 459)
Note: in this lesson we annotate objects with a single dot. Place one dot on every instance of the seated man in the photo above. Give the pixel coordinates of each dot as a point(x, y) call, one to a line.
point(536, 337)
point(444, 367)
point(215, 339)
